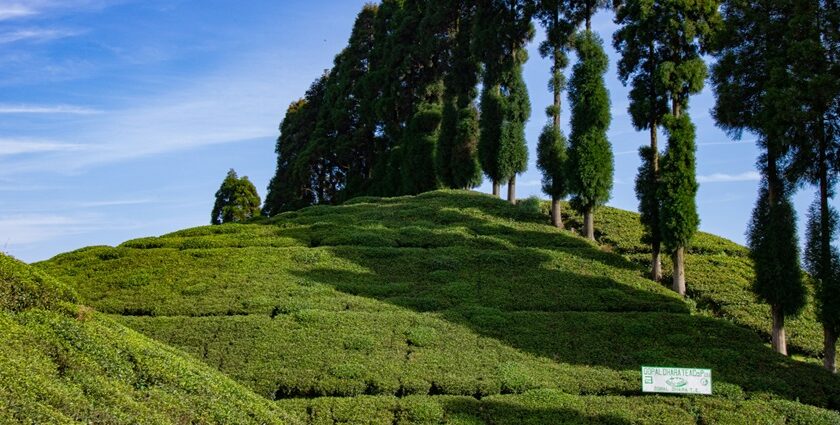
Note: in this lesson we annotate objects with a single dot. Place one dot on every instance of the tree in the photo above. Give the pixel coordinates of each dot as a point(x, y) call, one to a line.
point(756, 91)
point(236, 200)
point(677, 189)
point(513, 148)
point(456, 157)
point(292, 186)
point(501, 30)
point(552, 147)
point(685, 29)
point(590, 154)
point(775, 251)
point(814, 57)
point(642, 51)
point(827, 277)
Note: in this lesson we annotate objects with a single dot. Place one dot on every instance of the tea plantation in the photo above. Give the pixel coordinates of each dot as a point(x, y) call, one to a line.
point(447, 307)
point(64, 363)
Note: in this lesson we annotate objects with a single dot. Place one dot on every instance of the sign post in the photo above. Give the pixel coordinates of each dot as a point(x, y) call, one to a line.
point(676, 380)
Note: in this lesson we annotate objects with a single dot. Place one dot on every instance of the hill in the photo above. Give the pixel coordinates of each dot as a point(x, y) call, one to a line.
point(454, 306)
point(62, 363)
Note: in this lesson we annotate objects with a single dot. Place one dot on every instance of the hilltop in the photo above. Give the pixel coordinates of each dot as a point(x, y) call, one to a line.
point(61, 362)
point(456, 307)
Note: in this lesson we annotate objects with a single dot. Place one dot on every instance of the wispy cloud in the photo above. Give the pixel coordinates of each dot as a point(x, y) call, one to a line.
point(35, 35)
point(27, 229)
point(17, 147)
point(111, 203)
point(49, 109)
point(16, 9)
point(729, 178)
point(13, 11)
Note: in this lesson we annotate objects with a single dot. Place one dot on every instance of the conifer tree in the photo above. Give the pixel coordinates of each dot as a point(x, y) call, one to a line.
point(755, 91)
point(827, 277)
point(775, 251)
point(642, 51)
point(590, 155)
point(552, 147)
point(456, 157)
point(291, 187)
point(513, 148)
point(677, 189)
point(237, 200)
point(501, 30)
point(685, 29)
point(814, 112)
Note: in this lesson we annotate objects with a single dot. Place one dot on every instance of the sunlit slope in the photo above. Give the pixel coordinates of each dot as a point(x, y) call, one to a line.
point(408, 301)
point(62, 363)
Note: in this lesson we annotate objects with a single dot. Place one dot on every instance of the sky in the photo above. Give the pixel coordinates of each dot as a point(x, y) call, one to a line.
point(120, 118)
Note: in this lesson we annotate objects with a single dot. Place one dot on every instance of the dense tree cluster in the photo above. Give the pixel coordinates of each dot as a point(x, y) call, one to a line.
point(401, 113)
point(237, 200)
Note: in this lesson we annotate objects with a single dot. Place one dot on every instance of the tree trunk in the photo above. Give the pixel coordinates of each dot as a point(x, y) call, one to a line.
point(589, 223)
point(656, 262)
point(656, 244)
point(830, 347)
point(556, 216)
point(679, 270)
point(497, 189)
point(512, 190)
point(778, 337)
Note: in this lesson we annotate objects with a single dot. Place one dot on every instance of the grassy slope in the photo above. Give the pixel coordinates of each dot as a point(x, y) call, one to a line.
point(439, 298)
point(61, 363)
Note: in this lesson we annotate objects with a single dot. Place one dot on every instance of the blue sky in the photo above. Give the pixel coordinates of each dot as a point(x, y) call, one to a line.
point(120, 118)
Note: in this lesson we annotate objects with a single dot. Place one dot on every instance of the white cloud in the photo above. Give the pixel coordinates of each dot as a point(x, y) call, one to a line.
point(27, 229)
point(53, 109)
point(13, 11)
point(17, 147)
point(35, 34)
point(729, 178)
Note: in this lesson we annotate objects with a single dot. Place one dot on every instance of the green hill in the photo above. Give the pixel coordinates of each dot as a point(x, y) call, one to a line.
point(63, 363)
point(455, 307)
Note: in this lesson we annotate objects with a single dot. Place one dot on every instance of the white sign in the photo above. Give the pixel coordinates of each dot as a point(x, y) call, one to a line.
point(676, 380)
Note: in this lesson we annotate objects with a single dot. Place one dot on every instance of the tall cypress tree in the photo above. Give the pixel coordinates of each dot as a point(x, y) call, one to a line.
point(774, 249)
point(685, 29)
point(677, 189)
point(590, 154)
point(755, 91)
point(513, 148)
point(815, 114)
point(291, 187)
point(501, 30)
point(642, 50)
point(827, 276)
point(456, 155)
point(552, 147)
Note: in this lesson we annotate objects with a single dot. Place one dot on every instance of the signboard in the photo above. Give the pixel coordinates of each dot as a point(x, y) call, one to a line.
point(676, 380)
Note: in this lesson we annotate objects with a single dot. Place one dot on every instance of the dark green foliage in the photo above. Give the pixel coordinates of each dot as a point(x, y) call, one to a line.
point(551, 160)
point(490, 136)
point(237, 200)
point(513, 148)
point(677, 186)
point(828, 281)
point(293, 185)
point(775, 250)
point(646, 192)
point(590, 154)
point(418, 146)
point(457, 150)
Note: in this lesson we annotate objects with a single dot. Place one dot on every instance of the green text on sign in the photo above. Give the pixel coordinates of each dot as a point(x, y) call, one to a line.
point(676, 380)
